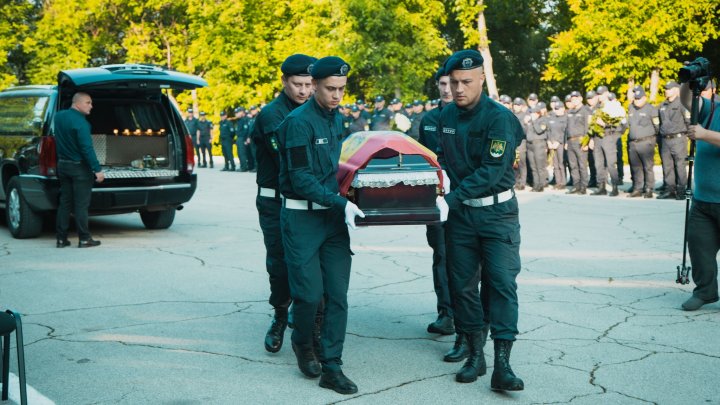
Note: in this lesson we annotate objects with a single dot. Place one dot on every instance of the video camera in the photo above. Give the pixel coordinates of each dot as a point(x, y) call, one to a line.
point(697, 73)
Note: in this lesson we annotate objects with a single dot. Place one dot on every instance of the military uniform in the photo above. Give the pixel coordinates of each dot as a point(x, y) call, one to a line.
point(477, 149)
point(557, 125)
point(605, 156)
point(577, 128)
point(315, 237)
point(205, 127)
point(227, 134)
point(249, 145)
point(242, 131)
point(674, 119)
point(643, 124)
point(537, 135)
point(521, 151)
point(381, 120)
point(191, 123)
point(415, 124)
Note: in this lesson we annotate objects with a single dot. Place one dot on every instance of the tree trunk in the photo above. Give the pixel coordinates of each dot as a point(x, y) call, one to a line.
point(484, 48)
point(654, 84)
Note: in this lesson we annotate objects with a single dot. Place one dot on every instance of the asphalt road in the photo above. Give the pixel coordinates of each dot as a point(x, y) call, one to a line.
point(178, 316)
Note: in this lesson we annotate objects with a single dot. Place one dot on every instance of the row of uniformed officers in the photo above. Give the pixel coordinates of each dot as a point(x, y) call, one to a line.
point(305, 222)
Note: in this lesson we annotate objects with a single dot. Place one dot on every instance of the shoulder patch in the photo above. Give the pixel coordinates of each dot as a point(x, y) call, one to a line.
point(497, 148)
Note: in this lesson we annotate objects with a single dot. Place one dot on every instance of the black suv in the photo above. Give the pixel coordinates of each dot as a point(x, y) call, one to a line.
point(138, 135)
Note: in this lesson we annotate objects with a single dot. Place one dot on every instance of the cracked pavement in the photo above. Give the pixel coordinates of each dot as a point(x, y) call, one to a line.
point(179, 316)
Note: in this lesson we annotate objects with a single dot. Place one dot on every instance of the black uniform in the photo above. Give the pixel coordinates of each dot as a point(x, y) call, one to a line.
point(605, 154)
point(641, 145)
point(381, 120)
point(578, 119)
point(674, 120)
point(268, 202)
point(354, 125)
point(205, 128)
point(428, 137)
point(227, 133)
point(192, 127)
point(521, 153)
point(537, 135)
point(315, 237)
point(415, 124)
point(242, 130)
point(477, 148)
point(557, 125)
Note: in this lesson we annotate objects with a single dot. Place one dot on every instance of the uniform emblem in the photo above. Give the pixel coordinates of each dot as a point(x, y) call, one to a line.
point(449, 131)
point(321, 141)
point(430, 128)
point(274, 143)
point(497, 148)
point(467, 63)
point(543, 127)
point(344, 69)
point(687, 114)
point(656, 120)
point(309, 69)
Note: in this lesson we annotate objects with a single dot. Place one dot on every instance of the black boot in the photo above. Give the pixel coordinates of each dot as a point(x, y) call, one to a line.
point(503, 378)
point(338, 382)
point(459, 351)
point(614, 192)
point(601, 190)
point(276, 332)
point(474, 366)
point(443, 325)
point(307, 362)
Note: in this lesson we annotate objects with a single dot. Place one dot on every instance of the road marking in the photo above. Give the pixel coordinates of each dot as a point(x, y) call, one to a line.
point(33, 397)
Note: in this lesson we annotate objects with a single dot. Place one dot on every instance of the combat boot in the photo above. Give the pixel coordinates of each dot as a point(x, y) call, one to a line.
point(635, 193)
point(601, 190)
point(573, 190)
point(582, 190)
point(648, 194)
point(668, 194)
point(503, 378)
point(307, 362)
point(276, 332)
point(459, 351)
point(443, 325)
point(474, 366)
point(614, 192)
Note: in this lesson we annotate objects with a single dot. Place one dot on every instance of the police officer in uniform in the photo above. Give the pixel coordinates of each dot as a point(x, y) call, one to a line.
point(249, 144)
point(191, 123)
point(593, 103)
point(416, 118)
point(521, 151)
point(477, 149)
point(537, 136)
point(557, 127)
point(356, 123)
point(227, 134)
point(313, 223)
point(381, 116)
point(605, 149)
point(578, 126)
point(205, 134)
point(674, 119)
point(297, 89)
point(643, 123)
point(241, 134)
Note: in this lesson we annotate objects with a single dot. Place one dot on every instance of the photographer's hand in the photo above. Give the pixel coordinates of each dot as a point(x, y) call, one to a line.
point(699, 133)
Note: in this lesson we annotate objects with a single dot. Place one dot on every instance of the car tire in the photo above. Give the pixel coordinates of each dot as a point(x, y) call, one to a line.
point(21, 220)
point(157, 219)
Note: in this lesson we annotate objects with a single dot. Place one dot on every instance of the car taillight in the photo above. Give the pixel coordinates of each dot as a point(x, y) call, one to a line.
point(47, 156)
point(189, 155)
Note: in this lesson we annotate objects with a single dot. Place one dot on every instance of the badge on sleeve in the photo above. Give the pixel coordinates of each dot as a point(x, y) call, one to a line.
point(497, 148)
point(687, 114)
point(656, 120)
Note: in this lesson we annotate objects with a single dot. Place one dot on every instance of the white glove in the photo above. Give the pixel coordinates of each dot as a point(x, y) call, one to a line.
point(446, 183)
point(352, 210)
point(443, 207)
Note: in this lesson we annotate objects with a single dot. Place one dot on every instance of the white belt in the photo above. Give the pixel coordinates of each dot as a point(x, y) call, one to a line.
point(302, 205)
point(268, 192)
point(490, 200)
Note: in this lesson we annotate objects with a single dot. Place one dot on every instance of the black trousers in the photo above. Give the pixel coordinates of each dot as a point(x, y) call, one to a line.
point(269, 214)
point(76, 182)
point(483, 244)
point(206, 150)
point(605, 154)
point(537, 157)
point(641, 154)
point(317, 252)
point(521, 171)
point(558, 162)
point(228, 153)
point(577, 159)
point(673, 152)
point(435, 234)
point(242, 154)
point(703, 245)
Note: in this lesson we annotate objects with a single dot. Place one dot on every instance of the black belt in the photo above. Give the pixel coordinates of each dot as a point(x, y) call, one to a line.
point(643, 138)
point(680, 135)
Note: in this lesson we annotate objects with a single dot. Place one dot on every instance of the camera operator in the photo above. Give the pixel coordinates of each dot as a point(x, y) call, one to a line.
point(704, 220)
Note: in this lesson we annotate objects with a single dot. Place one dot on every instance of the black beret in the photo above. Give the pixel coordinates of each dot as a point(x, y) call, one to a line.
point(463, 60)
point(297, 65)
point(329, 66)
point(440, 73)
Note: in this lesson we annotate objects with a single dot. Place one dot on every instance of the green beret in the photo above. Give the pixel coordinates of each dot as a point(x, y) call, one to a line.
point(329, 66)
point(297, 65)
point(463, 60)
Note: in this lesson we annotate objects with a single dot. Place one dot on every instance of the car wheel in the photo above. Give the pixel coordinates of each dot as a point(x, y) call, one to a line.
point(157, 219)
point(22, 221)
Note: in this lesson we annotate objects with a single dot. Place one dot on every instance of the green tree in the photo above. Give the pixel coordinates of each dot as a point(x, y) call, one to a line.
point(16, 22)
point(612, 41)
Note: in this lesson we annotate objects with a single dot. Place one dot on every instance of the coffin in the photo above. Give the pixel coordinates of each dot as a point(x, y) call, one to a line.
point(391, 177)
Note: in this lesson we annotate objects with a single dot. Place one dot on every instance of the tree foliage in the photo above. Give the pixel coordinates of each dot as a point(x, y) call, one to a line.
point(611, 41)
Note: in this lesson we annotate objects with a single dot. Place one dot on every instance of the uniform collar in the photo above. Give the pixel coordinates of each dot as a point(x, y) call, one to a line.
point(287, 100)
point(481, 103)
point(319, 110)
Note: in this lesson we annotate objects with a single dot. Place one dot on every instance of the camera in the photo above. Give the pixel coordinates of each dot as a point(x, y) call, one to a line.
point(696, 72)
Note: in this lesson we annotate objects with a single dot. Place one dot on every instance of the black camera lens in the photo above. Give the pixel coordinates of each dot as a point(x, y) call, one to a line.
point(697, 69)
